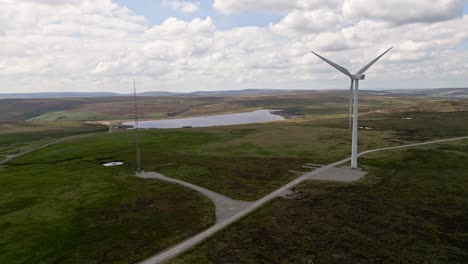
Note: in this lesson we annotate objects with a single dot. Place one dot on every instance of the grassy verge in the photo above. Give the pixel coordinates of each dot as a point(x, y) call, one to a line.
point(411, 208)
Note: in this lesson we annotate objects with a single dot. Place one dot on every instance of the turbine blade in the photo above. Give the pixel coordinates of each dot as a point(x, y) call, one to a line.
point(363, 70)
point(336, 66)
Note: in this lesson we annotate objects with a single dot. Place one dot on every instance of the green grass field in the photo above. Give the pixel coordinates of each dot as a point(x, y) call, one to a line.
point(18, 136)
point(410, 208)
point(77, 212)
point(58, 208)
point(73, 210)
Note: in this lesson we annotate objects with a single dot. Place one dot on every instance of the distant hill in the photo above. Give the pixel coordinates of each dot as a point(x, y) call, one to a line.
point(154, 93)
point(446, 93)
point(55, 95)
point(248, 92)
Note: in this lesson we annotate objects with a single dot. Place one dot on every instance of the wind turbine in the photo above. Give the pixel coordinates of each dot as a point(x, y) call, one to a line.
point(354, 83)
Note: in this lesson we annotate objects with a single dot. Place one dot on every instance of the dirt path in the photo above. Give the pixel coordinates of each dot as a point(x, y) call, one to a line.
point(225, 206)
point(172, 252)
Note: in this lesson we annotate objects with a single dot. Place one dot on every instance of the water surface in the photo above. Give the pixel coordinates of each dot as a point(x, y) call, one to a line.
point(113, 163)
point(258, 116)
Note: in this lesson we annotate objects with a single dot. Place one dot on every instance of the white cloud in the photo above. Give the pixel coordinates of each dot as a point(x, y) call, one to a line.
point(403, 11)
point(280, 6)
point(173, 27)
point(182, 6)
point(308, 21)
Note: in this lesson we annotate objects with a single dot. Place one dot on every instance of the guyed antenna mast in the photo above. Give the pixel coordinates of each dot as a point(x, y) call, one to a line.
point(137, 133)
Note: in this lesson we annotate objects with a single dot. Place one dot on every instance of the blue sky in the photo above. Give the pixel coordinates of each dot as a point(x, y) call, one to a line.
point(465, 45)
point(155, 13)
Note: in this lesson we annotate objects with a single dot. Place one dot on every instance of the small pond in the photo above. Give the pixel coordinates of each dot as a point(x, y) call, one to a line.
point(113, 164)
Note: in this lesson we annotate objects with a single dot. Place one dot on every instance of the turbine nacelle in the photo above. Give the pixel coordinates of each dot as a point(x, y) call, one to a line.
point(358, 77)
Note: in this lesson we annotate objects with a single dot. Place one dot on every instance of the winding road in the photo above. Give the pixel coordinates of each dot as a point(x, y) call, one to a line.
point(172, 252)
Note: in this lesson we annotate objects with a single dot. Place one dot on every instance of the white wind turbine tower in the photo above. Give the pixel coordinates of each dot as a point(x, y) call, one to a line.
point(354, 82)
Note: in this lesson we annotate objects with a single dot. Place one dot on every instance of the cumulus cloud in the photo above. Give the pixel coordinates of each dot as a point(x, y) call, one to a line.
point(308, 21)
point(403, 11)
point(173, 27)
point(182, 6)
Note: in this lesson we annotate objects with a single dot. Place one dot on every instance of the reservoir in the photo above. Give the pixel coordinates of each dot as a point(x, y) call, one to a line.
point(258, 116)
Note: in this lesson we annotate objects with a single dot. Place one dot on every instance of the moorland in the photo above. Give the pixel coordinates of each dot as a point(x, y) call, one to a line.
point(59, 205)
